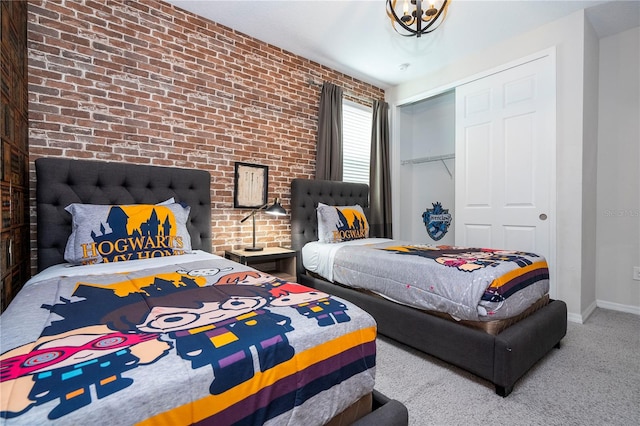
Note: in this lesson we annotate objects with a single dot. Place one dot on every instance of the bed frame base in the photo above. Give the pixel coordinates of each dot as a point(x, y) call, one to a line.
point(385, 411)
point(500, 359)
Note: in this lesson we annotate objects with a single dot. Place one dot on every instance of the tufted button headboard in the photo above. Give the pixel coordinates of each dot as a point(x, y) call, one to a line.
point(61, 182)
point(305, 196)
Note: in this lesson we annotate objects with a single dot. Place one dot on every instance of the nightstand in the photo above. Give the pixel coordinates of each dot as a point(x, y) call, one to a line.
point(277, 261)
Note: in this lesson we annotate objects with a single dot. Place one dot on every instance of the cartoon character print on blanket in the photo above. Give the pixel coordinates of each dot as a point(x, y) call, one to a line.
point(64, 366)
point(198, 315)
point(469, 260)
point(465, 259)
point(309, 302)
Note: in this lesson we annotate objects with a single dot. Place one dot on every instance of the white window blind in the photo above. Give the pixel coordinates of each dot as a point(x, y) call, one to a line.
point(356, 142)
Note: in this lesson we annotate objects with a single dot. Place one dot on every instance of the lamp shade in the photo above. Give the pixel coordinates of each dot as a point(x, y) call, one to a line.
point(276, 209)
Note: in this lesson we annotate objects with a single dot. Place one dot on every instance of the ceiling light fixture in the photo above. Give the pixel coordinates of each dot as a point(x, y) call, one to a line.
point(415, 20)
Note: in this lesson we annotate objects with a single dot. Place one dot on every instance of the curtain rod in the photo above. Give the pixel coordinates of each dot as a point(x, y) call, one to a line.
point(350, 94)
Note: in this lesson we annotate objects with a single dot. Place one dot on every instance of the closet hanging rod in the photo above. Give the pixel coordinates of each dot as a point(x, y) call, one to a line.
point(428, 159)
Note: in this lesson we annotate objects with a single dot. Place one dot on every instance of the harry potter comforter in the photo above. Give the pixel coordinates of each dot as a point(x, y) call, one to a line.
point(474, 284)
point(199, 340)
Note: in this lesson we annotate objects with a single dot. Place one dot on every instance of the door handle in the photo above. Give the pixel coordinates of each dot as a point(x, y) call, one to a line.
point(543, 216)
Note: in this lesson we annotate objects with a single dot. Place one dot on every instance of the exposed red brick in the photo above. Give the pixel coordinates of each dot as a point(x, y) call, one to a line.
point(148, 83)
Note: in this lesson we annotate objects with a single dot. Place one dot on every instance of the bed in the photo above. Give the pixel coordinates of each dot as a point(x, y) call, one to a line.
point(137, 322)
point(501, 357)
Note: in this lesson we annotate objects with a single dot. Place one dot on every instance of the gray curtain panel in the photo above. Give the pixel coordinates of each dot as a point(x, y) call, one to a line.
point(380, 173)
point(329, 146)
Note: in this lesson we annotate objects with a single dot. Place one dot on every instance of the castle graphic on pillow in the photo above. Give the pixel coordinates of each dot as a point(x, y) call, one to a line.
point(152, 237)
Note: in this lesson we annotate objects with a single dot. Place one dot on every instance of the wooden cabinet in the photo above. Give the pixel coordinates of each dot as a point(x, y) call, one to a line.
point(15, 264)
point(277, 261)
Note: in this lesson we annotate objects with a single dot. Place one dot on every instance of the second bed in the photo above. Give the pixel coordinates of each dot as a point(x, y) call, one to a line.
point(497, 339)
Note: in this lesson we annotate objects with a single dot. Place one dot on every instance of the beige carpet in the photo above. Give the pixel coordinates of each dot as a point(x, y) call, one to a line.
point(593, 379)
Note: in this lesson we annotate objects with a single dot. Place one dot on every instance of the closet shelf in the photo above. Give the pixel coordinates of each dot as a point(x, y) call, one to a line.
point(430, 159)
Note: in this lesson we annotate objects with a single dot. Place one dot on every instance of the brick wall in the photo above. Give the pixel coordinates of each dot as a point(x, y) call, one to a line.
point(146, 82)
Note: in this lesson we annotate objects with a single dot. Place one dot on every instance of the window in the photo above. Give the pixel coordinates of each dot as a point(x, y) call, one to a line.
point(356, 142)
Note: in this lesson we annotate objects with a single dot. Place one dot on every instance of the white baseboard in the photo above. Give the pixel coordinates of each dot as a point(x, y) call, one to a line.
point(587, 312)
point(581, 318)
point(574, 318)
point(618, 307)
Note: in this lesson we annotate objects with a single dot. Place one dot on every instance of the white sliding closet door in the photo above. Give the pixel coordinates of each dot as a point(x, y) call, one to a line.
point(505, 160)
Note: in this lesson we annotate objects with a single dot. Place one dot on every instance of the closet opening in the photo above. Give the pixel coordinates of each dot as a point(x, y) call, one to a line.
point(427, 169)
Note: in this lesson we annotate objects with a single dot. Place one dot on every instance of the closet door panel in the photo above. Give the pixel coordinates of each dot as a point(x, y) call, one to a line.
point(505, 152)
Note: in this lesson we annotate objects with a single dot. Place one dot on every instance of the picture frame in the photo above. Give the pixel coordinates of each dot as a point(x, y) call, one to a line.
point(250, 185)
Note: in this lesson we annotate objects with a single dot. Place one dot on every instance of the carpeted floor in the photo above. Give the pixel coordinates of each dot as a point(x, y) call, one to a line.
point(593, 379)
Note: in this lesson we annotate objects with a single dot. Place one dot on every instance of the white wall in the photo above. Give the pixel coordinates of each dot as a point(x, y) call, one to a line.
point(427, 129)
point(567, 36)
point(589, 169)
point(618, 186)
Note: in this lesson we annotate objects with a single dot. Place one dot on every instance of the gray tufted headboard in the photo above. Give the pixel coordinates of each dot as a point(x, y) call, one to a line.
point(305, 196)
point(61, 182)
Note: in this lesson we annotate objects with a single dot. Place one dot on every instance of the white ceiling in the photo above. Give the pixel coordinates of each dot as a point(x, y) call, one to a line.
point(356, 37)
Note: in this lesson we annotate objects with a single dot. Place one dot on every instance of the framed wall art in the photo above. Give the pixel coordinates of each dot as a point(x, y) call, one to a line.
point(250, 186)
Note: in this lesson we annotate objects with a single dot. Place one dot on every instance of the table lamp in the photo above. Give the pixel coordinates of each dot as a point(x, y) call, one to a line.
point(275, 210)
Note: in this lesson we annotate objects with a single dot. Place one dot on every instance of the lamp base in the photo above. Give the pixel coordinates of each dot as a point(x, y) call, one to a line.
point(252, 248)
